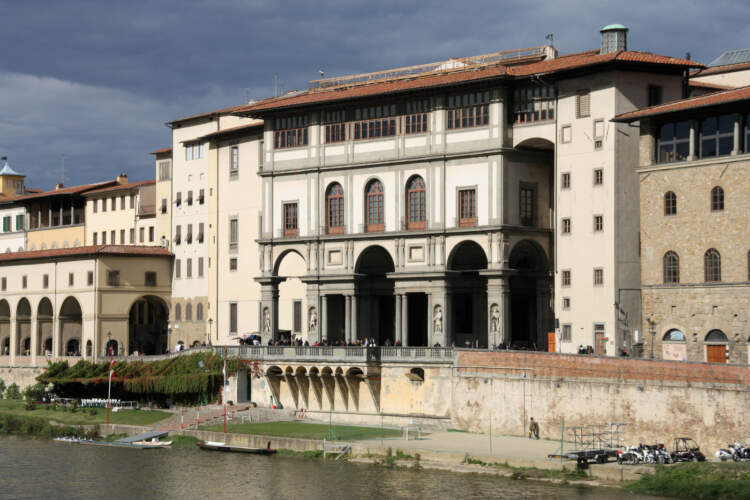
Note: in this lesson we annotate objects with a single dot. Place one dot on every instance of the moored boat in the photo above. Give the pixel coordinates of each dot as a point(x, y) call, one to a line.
point(216, 446)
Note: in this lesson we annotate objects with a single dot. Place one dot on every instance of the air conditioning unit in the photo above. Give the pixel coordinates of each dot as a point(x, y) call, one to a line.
point(637, 337)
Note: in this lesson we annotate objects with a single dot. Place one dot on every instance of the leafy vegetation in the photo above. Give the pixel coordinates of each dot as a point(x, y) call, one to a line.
point(180, 441)
point(80, 416)
point(2, 388)
point(531, 472)
point(13, 392)
point(703, 480)
point(187, 379)
point(39, 427)
point(307, 431)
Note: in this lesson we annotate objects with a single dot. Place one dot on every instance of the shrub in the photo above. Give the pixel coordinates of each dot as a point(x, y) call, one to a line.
point(13, 392)
point(2, 388)
point(35, 392)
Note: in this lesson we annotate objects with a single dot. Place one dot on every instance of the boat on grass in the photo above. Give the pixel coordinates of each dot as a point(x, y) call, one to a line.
point(217, 446)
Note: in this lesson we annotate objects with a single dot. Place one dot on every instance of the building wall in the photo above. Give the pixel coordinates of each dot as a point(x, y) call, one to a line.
point(57, 237)
point(14, 240)
point(120, 219)
point(164, 192)
point(729, 78)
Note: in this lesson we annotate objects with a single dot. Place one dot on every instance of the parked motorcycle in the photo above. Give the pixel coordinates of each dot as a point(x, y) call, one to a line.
point(729, 453)
point(661, 454)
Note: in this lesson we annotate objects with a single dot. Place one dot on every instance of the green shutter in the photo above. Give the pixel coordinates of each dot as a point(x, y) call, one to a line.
point(5, 224)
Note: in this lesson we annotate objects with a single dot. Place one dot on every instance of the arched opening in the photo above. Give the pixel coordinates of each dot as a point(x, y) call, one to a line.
point(374, 206)
point(415, 203)
point(47, 346)
point(71, 326)
point(4, 328)
point(416, 375)
point(23, 325)
point(89, 349)
point(375, 303)
point(44, 314)
point(530, 310)
point(716, 343)
point(112, 348)
point(467, 295)
point(673, 345)
point(292, 291)
point(335, 209)
point(147, 326)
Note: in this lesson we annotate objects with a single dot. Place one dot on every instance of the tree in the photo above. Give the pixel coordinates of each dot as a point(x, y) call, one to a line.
point(13, 392)
point(2, 388)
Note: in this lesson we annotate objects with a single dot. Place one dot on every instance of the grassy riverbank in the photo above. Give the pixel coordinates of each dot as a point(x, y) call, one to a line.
point(703, 480)
point(81, 416)
point(25, 425)
point(307, 431)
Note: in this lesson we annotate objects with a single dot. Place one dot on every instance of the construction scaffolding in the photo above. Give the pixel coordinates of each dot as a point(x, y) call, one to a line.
point(597, 436)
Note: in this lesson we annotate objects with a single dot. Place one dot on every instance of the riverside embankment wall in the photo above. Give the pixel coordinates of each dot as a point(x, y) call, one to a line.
point(21, 375)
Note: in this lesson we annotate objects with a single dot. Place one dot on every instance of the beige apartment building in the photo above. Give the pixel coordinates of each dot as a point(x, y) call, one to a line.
point(460, 202)
point(80, 301)
point(695, 247)
point(123, 214)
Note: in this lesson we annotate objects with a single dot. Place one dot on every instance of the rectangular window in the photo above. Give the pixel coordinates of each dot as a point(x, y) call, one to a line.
point(104, 204)
point(534, 104)
point(233, 264)
point(297, 314)
point(583, 104)
point(141, 234)
point(375, 121)
point(232, 317)
point(291, 132)
point(290, 219)
point(132, 201)
point(417, 112)
point(598, 176)
point(113, 278)
point(335, 122)
point(150, 278)
point(566, 303)
point(565, 278)
point(566, 333)
point(598, 276)
point(163, 205)
point(200, 267)
point(566, 134)
point(122, 236)
point(104, 237)
point(112, 237)
point(598, 129)
point(234, 160)
point(654, 95)
point(178, 199)
point(201, 196)
point(565, 181)
point(717, 136)
point(467, 208)
point(468, 110)
point(90, 278)
point(233, 233)
point(527, 198)
point(20, 222)
point(114, 203)
point(151, 234)
point(177, 234)
point(164, 170)
point(132, 236)
point(178, 268)
point(673, 142)
point(94, 205)
point(189, 268)
point(45, 281)
point(4, 284)
point(122, 202)
point(24, 281)
point(190, 198)
point(200, 232)
point(565, 225)
point(195, 151)
point(189, 237)
point(96, 239)
point(598, 223)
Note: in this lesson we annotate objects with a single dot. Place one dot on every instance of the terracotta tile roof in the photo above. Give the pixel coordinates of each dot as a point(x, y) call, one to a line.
point(558, 65)
point(233, 130)
point(93, 250)
point(224, 111)
point(713, 70)
point(162, 150)
point(62, 191)
point(714, 99)
point(121, 187)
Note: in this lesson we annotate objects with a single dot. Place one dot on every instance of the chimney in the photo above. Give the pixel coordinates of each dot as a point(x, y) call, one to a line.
point(59, 185)
point(614, 38)
point(122, 178)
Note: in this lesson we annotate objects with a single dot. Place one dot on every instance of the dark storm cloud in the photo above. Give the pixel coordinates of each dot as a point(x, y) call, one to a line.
point(96, 80)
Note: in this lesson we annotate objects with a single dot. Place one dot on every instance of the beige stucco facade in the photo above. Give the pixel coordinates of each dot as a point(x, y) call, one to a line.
point(122, 215)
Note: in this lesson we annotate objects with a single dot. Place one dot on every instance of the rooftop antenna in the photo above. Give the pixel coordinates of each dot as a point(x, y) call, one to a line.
point(550, 38)
point(275, 84)
point(247, 94)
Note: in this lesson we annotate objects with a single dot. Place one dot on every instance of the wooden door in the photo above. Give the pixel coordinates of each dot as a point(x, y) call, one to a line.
point(600, 344)
point(716, 353)
point(551, 342)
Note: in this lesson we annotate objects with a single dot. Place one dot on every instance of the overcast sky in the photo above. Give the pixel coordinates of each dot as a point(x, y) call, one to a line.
point(96, 80)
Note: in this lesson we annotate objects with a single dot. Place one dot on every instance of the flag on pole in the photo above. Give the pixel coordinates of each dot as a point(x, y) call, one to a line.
point(111, 363)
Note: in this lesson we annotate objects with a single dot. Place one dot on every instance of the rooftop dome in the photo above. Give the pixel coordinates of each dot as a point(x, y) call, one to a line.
point(613, 27)
point(6, 168)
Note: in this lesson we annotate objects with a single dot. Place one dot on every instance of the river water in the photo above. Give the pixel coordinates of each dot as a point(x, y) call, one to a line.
point(31, 468)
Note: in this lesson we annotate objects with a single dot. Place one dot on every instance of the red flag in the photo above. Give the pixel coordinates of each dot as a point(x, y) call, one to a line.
point(111, 362)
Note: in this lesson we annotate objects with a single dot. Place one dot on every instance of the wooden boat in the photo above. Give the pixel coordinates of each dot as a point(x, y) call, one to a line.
point(216, 446)
point(154, 443)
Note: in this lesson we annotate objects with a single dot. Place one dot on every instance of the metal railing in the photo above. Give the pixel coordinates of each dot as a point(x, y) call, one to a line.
point(343, 353)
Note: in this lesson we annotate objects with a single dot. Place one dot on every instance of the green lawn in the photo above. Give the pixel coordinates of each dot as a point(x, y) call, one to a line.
point(84, 417)
point(702, 480)
point(307, 431)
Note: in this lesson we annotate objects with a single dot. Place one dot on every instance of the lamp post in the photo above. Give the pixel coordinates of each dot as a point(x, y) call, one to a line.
point(652, 331)
point(211, 322)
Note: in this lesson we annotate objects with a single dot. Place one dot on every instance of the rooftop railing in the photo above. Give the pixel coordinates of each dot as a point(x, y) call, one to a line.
point(348, 353)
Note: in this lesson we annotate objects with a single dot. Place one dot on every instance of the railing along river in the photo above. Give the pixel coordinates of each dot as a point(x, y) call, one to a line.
point(352, 353)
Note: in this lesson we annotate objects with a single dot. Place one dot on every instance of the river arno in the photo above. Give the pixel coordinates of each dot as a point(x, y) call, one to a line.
point(45, 469)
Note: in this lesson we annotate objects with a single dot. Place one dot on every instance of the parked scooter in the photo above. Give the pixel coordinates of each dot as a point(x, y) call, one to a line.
point(661, 454)
point(733, 451)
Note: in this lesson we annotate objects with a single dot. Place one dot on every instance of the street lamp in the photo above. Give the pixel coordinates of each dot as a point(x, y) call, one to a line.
point(652, 331)
point(211, 322)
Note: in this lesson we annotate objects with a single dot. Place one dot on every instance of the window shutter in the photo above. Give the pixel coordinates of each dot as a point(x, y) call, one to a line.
point(583, 104)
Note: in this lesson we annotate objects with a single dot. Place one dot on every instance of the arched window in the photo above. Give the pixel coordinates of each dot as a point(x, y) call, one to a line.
point(674, 335)
point(670, 203)
point(199, 312)
point(188, 312)
point(716, 336)
point(374, 206)
point(717, 199)
point(178, 312)
point(335, 209)
point(671, 267)
point(415, 199)
point(712, 265)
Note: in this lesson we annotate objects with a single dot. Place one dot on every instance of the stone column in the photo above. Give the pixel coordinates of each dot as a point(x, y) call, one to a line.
point(13, 340)
point(61, 215)
point(269, 309)
point(438, 317)
point(498, 310)
point(56, 337)
point(542, 307)
point(737, 149)
point(72, 214)
point(405, 320)
point(348, 318)
point(354, 318)
point(398, 318)
point(49, 220)
point(34, 339)
point(323, 318)
point(691, 151)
